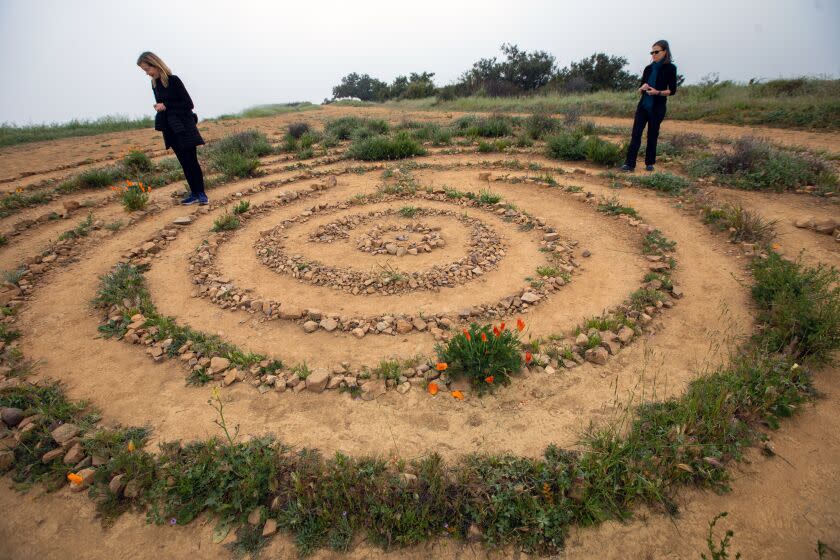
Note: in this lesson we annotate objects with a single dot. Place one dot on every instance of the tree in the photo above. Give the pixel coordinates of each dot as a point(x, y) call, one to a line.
point(521, 71)
point(601, 72)
point(362, 86)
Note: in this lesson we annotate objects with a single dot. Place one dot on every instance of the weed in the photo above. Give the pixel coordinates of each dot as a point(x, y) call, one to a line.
point(654, 243)
point(408, 211)
point(225, 222)
point(298, 129)
point(566, 146)
point(241, 207)
point(721, 551)
point(138, 162)
point(663, 182)
point(301, 370)
point(742, 224)
point(613, 207)
point(486, 355)
point(114, 226)
point(82, 229)
point(548, 271)
point(486, 196)
point(382, 148)
point(603, 152)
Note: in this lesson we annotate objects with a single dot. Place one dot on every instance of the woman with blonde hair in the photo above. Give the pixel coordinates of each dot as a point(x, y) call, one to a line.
point(176, 120)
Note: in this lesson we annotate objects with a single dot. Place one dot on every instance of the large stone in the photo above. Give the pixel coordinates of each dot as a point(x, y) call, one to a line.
point(581, 339)
point(419, 324)
point(52, 455)
point(373, 389)
point(612, 346)
point(87, 479)
point(329, 324)
point(825, 225)
point(117, 484)
point(530, 297)
point(74, 455)
point(65, 433)
point(625, 334)
point(182, 221)
point(290, 312)
point(551, 236)
point(403, 326)
point(11, 416)
point(310, 326)
point(132, 489)
point(596, 355)
point(218, 364)
point(317, 380)
point(7, 458)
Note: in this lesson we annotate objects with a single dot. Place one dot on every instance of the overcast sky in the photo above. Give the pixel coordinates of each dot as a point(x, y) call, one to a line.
point(76, 59)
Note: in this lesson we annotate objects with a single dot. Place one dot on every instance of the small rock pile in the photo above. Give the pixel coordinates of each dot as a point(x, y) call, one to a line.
point(827, 226)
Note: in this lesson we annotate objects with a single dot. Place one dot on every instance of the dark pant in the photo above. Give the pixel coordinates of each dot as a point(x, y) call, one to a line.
point(188, 159)
point(652, 119)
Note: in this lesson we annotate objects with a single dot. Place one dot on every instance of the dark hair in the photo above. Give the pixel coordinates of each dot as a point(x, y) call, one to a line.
point(663, 44)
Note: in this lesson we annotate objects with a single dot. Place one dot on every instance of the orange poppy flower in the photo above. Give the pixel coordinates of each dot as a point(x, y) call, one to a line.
point(520, 325)
point(496, 331)
point(441, 366)
point(432, 388)
point(528, 357)
point(502, 326)
point(467, 334)
point(490, 379)
point(458, 395)
point(131, 446)
point(483, 337)
point(74, 478)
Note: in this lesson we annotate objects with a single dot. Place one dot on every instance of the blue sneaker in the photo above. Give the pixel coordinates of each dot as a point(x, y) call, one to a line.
point(203, 200)
point(189, 200)
point(648, 168)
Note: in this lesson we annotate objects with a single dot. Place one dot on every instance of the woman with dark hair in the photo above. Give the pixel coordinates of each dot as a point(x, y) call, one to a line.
point(659, 80)
point(177, 122)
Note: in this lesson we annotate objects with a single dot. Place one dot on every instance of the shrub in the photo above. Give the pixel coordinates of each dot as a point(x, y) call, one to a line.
point(442, 137)
point(613, 207)
point(800, 306)
point(232, 165)
point(345, 128)
point(662, 182)
point(486, 147)
point(241, 207)
point(602, 151)
point(237, 155)
point(485, 355)
point(225, 222)
point(654, 243)
point(742, 224)
point(305, 153)
point(135, 197)
point(408, 211)
point(383, 148)
point(486, 196)
point(296, 130)
point(539, 125)
point(138, 161)
point(566, 146)
point(97, 178)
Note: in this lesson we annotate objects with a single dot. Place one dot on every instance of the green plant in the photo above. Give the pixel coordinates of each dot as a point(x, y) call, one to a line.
point(662, 182)
point(486, 196)
point(613, 207)
point(305, 153)
point(566, 146)
point(549, 271)
point(82, 229)
point(486, 355)
point(114, 226)
point(135, 197)
point(645, 297)
point(138, 162)
point(382, 148)
point(742, 224)
point(298, 129)
point(241, 207)
point(721, 551)
point(408, 211)
point(225, 222)
point(603, 152)
point(654, 243)
point(301, 370)
point(237, 155)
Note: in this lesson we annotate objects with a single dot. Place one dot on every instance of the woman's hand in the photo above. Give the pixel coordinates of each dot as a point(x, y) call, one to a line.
point(651, 91)
point(160, 107)
point(644, 87)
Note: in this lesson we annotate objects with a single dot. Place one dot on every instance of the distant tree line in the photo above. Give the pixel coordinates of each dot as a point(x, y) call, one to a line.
point(518, 73)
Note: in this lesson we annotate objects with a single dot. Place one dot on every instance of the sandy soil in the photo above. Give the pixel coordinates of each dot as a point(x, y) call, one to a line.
point(778, 507)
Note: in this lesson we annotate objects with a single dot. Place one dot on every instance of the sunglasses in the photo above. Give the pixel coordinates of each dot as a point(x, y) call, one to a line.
point(656, 52)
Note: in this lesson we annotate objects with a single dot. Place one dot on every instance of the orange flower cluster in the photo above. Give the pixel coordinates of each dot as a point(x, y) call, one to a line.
point(432, 388)
point(458, 395)
point(74, 478)
point(528, 357)
point(129, 184)
point(441, 366)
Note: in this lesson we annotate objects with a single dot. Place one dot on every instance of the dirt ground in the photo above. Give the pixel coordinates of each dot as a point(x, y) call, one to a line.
point(778, 507)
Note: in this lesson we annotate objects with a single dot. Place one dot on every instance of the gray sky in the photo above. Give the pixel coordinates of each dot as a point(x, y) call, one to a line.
point(75, 59)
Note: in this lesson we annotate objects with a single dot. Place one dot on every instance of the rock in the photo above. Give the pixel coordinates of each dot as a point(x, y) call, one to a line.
point(290, 312)
point(612, 346)
point(7, 459)
point(65, 433)
point(117, 484)
point(230, 378)
point(255, 516)
point(132, 489)
point(270, 526)
point(403, 326)
point(403, 388)
point(218, 364)
point(419, 324)
point(581, 339)
point(182, 221)
point(804, 222)
point(74, 455)
point(51, 456)
point(317, 380)
point(87, 480)
point(11, 416)
point(310, 326)
point(826, 225)
point(329, 324)
point(373, 389)
point(586, 253)
point(551, 236)
point(474, 534)
point(625, 334)
point(550, 370)
point(596, 355)
point(677, 292)
point(530, 297)
point(358, 332)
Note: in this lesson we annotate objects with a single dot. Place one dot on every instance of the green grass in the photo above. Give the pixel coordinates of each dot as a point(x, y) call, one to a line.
point(270, 110)
point(225, 222)
point(742, 224)
point(486, 196)
point(241, 207)
point(134, 198)
point(408, 211)
point(613, 207)
point(11, 134)
point(82, 229)
point(667, 183)
point(813, 106)
point(378, 148)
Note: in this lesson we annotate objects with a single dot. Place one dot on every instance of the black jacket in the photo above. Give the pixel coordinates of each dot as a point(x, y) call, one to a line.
point(177, 122)
point(666, 78)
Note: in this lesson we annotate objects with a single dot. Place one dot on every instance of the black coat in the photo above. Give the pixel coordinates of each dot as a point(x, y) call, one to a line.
point(177, 122)
point(666, 78)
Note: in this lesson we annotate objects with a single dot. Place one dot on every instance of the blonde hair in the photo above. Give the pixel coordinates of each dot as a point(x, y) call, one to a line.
point(155, 61)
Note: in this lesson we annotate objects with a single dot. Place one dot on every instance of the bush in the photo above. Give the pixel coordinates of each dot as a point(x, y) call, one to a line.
point(566, 146)
point(602, 151)
point(241, 207)
point(485, 355)
point(345, 128)
point(305, 153)
point(800, 306)
point(225, 222)
point(135, 196)
point(237, 155)
point(539, 125)
point(296, 130)
point(382, 148)
point(98, 178)
point(662, 182)
point(233, 165)
point(742, 224)
point(137, 161)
